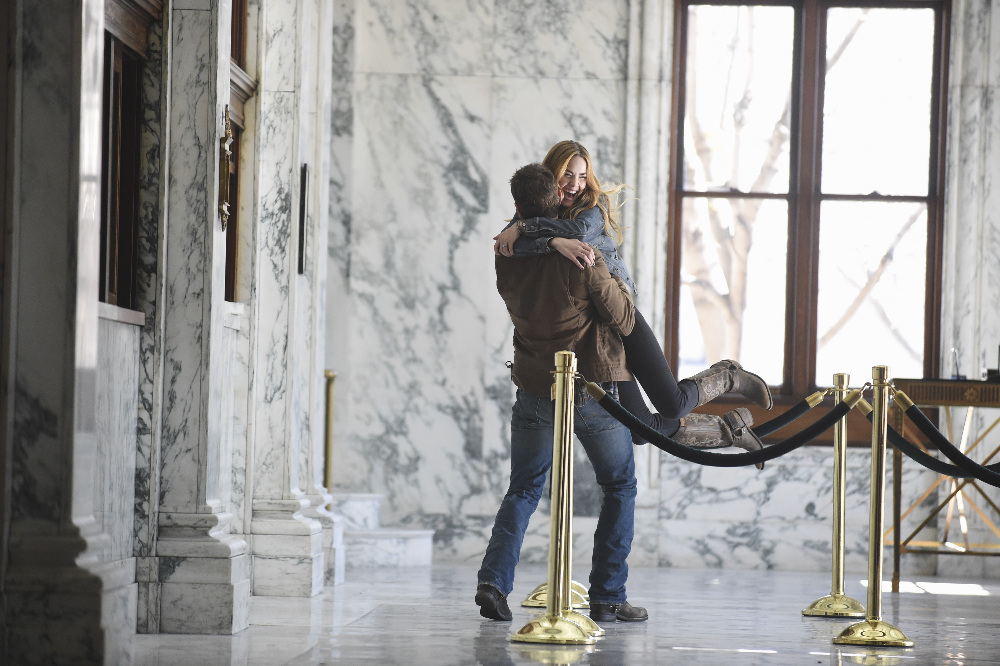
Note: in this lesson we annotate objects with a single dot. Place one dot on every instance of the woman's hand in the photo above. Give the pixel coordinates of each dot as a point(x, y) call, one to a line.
point(576, 251)
point(504, 244)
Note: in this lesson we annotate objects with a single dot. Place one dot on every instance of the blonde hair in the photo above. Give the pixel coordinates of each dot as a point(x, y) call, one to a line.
point(594, 194)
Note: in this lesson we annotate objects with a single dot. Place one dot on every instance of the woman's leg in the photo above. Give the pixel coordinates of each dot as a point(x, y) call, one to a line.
point(646, 361)
point(631, 399)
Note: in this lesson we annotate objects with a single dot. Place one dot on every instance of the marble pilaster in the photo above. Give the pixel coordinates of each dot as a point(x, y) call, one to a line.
point(67, 583)
point(202, 568)
point(314, 114)
point(149, 288)
point(287, 544)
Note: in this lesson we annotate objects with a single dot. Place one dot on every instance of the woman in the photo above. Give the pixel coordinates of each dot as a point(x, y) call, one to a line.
point(588, 219)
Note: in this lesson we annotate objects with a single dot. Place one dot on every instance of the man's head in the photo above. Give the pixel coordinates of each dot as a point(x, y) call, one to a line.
point(535, 192)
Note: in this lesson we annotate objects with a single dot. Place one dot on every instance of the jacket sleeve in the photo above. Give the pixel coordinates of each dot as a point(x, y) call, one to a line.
point(610, 296)
point(538, 231)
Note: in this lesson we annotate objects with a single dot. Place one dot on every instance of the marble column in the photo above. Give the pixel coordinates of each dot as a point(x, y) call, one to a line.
point(203, 569)
point(64, 601)
point(287, 544)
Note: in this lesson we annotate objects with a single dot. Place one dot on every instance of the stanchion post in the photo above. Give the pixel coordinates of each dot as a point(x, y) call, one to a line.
point(837, 604)
point(330, 376)
point(560, 625)
point(872, 631)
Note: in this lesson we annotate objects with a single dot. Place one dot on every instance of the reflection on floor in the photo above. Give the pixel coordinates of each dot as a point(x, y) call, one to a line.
point(696, 617)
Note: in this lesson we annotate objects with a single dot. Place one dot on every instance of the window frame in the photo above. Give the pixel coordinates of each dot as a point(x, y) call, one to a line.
point(126, 36)
point(804, 194)
point(241, 89)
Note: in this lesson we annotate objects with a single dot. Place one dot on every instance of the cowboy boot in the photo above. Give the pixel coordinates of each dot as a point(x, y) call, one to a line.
point(708, 431)
point(729, 376)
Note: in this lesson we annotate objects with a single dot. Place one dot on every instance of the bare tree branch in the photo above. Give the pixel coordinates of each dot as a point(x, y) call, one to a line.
point(873, 279)
point(716, 310)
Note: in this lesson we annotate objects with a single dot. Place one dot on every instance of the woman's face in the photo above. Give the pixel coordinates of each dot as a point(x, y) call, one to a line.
point(572, 181)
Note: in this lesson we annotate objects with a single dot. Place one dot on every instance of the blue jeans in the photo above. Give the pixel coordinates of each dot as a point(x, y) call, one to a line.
point(609, 447)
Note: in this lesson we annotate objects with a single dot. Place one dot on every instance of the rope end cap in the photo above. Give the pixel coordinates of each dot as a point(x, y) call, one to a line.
point(595, 391)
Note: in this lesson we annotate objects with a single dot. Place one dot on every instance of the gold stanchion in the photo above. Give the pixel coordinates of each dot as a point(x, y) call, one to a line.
point(328, 459)
point(837, 604)
point(872, 631)
point(561, 625)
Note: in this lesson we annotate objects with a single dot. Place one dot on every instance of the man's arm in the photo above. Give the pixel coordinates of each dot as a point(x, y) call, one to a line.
point(611, 297)
point(586, 226)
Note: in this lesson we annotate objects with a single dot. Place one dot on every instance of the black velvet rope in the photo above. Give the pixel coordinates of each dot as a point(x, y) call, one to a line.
point(702, 457)
point(984, 474)
point(781, 420)
point(916, 454)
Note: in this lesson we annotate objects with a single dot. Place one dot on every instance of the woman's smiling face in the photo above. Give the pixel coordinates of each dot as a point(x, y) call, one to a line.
point(572, 181)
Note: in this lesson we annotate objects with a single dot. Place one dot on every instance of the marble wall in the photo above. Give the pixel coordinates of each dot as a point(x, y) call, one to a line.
point(441, 104)
point(434, 106)
point(971, 321)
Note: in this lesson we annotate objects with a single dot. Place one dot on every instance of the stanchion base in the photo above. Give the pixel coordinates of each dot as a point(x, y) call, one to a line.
point(586, 622)
point(553, 654)
point(873, 633)
point(554, 630)
point(835, 605)
point(539, 597)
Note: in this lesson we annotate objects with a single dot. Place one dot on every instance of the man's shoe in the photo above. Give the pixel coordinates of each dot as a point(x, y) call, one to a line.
point(625, 612)
point(493, 603)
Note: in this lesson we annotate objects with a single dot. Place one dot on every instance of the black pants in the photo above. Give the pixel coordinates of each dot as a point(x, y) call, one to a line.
point(671, 399)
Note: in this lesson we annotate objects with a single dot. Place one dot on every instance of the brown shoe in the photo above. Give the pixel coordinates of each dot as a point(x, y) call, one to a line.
point(625, 612)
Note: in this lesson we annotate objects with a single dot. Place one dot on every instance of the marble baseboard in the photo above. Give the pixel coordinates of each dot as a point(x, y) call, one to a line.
point(202, 595)
point(288, 565)
point(361, 511)
point(55, 626)
point(334, 565)
point(204, 608)
point(389, 548)
point(118, 617)
point(334, 552)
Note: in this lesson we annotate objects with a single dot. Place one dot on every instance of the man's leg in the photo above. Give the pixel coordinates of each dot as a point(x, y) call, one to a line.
point(609, 447)
point(530, 460)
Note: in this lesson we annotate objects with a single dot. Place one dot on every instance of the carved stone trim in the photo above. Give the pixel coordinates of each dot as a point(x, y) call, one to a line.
point(241, 88)
point(129, 21)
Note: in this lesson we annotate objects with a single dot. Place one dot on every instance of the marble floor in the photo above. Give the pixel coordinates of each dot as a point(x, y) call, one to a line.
point(696, 617)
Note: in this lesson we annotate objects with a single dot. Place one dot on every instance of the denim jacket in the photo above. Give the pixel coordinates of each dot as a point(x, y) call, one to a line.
point(587, 227)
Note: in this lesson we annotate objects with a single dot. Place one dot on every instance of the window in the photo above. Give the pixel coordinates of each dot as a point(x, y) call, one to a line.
point(125, 49)
point(807, 188)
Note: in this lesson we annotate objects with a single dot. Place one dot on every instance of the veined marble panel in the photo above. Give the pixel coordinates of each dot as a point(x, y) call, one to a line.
point(281, 25)
point(778, 518)
point(429, 37)
point(152, 188)
point(240, 503)
point(416, 351)
point(273, 303)
point(117, 406)
point(187, 274)
point(560, 40)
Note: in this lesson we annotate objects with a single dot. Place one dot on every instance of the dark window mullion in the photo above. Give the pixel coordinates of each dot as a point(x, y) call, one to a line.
point(936, 188)
point(803, 233)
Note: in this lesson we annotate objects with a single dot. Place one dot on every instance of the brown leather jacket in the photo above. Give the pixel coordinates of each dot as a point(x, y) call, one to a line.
point(555, 306)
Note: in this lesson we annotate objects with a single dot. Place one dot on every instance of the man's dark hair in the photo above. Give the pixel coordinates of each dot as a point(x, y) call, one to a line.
point(535, 191)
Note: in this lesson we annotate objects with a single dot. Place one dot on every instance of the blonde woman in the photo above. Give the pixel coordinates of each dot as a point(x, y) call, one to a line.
point(588, 220)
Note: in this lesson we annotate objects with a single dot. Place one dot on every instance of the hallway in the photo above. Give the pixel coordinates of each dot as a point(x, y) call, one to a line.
point(696, 617)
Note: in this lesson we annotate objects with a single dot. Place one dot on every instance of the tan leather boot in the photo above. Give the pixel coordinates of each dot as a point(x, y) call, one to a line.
point(708, 431)
point(730, 377)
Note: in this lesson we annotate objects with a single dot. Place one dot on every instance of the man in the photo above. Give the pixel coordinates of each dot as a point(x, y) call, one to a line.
point(555, 306)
